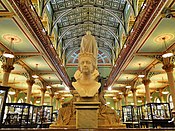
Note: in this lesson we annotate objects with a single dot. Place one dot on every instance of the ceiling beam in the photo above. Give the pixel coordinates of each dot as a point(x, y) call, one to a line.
point(6, 14)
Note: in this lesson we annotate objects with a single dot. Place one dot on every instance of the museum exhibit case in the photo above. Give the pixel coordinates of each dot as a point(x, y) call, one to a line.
point(130, 116)
point(44, 116)
point(3, 96)
point(55, 115)
point(19, 115)
point(155, 114)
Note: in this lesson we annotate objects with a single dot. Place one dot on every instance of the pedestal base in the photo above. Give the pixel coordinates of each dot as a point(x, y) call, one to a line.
point(86, 114)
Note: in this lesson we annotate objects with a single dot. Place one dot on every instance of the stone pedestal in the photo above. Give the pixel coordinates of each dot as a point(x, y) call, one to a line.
point(86, 114)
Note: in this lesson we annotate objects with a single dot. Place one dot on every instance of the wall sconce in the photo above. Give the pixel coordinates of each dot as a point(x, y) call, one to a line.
point(166, 54)
point(141, 75)
point(48, 86)
point(35, 76)
point(127, 86)
point(109, 88)
point(9, 54)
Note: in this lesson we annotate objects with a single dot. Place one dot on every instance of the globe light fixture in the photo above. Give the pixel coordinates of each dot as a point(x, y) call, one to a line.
point(166, 54)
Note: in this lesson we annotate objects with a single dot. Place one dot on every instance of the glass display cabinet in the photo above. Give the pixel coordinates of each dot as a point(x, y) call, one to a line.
point(54, 116)
point(130, 116)
point(3, 96)
point(155, 114)
point(44, 116)
point(19, 115)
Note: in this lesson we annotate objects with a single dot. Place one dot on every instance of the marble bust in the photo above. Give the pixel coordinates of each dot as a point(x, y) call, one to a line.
point(86, 76)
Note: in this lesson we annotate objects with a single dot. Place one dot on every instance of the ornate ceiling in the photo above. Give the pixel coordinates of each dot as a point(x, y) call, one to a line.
point(128, 34)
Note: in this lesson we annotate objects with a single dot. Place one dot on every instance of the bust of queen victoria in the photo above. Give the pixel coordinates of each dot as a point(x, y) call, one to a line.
point(86, 76)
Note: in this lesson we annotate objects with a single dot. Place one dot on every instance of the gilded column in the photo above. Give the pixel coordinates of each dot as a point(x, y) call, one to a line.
point(134, 96)
point(6, 72)
point(43, 90)
point(119, 103)
point(169, 70)
point(146, 83)
point(51, 99)
point(29, 89)
point(126, 98)
point(57, 100)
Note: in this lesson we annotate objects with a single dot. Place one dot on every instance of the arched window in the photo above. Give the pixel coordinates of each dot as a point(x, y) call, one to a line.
point(20, 100)
point(157, 100)
point(8, 100)
point(170, 100)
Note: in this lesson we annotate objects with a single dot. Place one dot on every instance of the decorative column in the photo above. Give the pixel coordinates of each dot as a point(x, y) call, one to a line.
point(169, 70)
point(134, 96)
point(57, 100)
point(30, 83)
point(146, 83)
point(6, 72)
point(126, 98)
point(119, 103)
point(51, 99)
point(15, 96)
point(43, 90)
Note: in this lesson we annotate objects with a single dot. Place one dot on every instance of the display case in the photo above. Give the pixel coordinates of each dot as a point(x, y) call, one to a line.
point(130, 116)
point(3, 96)
point(19, 115)
point(54, 116)
point(155, 114)
point(44, 117)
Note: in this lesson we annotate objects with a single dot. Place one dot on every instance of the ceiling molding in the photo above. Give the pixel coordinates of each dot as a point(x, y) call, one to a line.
point(139, 30)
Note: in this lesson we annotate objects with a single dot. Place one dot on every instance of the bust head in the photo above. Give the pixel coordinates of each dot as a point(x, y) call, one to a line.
point(86, 63)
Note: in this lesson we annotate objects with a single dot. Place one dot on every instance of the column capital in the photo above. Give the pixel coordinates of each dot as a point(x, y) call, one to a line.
point(125, 95)
point(133, 90)
point(146, 81)
point(57, 99)
point(51, 95)
point(119, 98)
point(7, 68)
point(43, 90)
point(168, 67)
point(30, 82)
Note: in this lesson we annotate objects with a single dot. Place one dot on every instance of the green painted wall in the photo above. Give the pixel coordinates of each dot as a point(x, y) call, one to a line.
point(71, 71)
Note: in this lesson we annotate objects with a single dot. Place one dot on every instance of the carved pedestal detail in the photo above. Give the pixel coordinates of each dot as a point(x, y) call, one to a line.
point(86, 114)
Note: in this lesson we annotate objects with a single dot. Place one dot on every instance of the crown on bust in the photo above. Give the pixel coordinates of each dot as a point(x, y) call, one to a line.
point(87, 54)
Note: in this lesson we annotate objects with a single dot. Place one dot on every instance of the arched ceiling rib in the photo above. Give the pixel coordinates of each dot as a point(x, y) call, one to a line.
point(66, 12)
point(103, 27)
